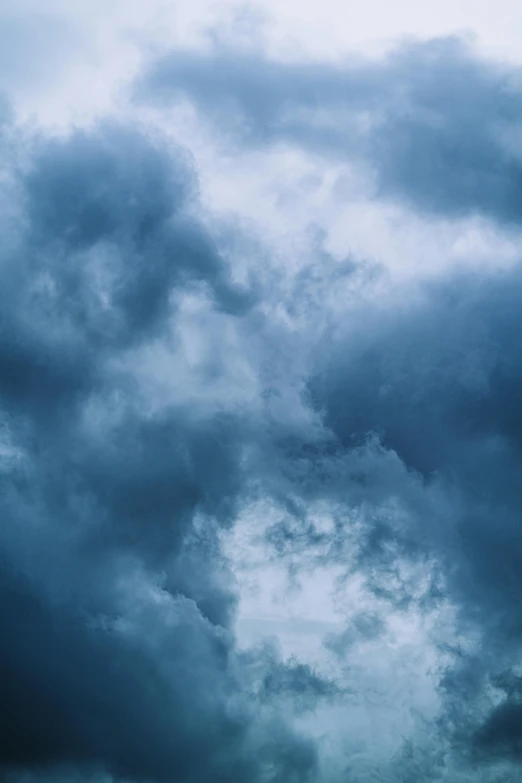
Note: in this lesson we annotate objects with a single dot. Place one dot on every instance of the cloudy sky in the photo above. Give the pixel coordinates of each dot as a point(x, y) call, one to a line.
point(260, 391)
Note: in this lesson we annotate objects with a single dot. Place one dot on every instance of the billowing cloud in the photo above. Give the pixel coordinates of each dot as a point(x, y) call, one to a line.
point(419, 393)
point(162, 396)
point(436, 125)
point(116, 602)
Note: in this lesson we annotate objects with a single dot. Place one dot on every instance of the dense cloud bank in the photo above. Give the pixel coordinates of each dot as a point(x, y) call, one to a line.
point(117, 652)
point(152, 391)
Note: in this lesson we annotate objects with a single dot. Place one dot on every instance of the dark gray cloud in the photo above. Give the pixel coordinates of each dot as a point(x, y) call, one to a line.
point(402, 416)
point(420, 464)
point(436, 384)
point(420, 457)
point(436, 124)
point(420, 397)
point(117, 654)
point(500, 736)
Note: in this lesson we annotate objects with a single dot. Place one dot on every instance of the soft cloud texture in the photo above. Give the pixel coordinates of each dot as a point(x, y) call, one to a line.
point(115, 600)
point(436, 125)
point(191, 419)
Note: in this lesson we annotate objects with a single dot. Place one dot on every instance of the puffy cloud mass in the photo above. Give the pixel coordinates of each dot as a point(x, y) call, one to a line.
point(180, 405)
point(117, 653)
point(436, 124)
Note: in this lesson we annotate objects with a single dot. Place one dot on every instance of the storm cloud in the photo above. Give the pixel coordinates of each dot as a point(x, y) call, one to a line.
point(419, 395)
point(117, 652)
point(436, 125)
point(160, 394)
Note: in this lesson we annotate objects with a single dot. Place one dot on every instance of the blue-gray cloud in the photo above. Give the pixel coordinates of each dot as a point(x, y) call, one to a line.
point(437, 124)
point(117, 652)
point(434, 384)
point(117, 602)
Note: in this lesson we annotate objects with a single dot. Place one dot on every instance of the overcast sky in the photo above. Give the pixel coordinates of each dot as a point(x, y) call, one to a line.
point(260, 388)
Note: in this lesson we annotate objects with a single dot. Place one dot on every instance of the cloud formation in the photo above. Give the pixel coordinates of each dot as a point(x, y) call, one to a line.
point(150, 398)
point(436, 125)
point(118, 654)
point(432, 379)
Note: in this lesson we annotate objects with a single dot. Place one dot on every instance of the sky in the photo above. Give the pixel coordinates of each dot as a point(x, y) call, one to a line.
point(260, 378)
